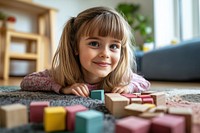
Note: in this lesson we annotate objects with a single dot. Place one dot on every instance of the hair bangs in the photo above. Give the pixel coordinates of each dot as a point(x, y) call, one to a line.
point(105, 25)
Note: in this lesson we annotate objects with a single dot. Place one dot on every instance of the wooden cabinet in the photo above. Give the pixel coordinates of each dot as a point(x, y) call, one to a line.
point(40, 46)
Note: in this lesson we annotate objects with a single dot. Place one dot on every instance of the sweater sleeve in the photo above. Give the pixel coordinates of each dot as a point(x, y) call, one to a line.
point(40, 81)
point(138, 84)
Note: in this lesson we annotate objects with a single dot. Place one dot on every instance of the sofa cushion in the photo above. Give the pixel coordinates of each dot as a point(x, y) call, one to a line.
point(174, 63)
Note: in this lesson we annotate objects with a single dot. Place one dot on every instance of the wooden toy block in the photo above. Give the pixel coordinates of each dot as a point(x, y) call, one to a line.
point(135, 109)
point(150, 115)
point(161, 108)
point(150, 105)
point(89, 122)
point(159, 98)
point(168, 124)
point(147, 92)
point(136, 100)
point(144, 96)
point(36, 114)
point(54, 119)
point(129, 96)
point(147, 100)
point(71, 114)
point(108, 99)
point(116, 105)
point(137, 94)
point(132, 124)
point(13, 115)
point(186, 113)
point(97, 94)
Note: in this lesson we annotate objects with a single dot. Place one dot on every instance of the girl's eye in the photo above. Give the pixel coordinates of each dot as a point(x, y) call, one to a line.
point(115, 46)
point(94, 44)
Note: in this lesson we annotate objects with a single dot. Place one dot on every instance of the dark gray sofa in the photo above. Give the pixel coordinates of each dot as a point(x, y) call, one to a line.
point(180, 62)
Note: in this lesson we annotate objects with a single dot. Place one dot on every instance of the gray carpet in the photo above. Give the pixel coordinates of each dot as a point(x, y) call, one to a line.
point(13, 94)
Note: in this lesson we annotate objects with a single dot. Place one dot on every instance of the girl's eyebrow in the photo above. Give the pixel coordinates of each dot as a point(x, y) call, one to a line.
point(95, 38)
point(98, 38)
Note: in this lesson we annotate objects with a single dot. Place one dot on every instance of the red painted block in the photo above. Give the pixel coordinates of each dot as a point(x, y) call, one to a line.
point(37, 111)
point(147, 100)
point(129, 95)
point(168, 124)
point(144, 96)
point(71, 114)
point(132, 124)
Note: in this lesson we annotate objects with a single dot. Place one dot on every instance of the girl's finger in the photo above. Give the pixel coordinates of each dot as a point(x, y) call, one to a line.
point(75, 92)
point(86, 90)
point(80, 91)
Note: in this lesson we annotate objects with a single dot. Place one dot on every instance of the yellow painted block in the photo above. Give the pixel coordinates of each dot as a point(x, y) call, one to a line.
point(54, 119)
point(150, 105)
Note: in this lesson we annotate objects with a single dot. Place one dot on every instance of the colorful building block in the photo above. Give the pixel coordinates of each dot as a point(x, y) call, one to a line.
point(116, 103)
point(135, 109)
point(147, 100)
point(161, 108)
point(132, 124)
point(159, 98)
point(97, 94)
point(71, 114)
point(186, 113)
point(129, 95)
point(54, 119)
point(150, 115)
point(136, 100)
point(89, 122)
point(168, 124)
point(36, 114)
point(13, 115)
point(144, 96)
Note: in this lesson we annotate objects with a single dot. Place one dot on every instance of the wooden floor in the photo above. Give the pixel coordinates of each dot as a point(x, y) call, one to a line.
point(15, 81)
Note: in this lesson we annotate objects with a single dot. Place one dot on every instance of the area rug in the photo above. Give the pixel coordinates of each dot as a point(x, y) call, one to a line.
point(13, 94)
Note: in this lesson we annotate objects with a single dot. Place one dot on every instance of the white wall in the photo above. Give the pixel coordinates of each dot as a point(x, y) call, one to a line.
point(164, 22)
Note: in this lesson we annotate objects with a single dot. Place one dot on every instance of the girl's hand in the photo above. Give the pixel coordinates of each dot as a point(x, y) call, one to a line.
point(79, 89)
point(121, 89)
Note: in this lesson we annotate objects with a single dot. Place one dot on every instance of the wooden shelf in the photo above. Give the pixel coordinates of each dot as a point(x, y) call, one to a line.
point(23, 56)
point(23, 35)
point(43, 41)
point(26, 6)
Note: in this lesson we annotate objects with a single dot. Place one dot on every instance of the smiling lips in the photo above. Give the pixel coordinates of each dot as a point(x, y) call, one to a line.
point(102, 64)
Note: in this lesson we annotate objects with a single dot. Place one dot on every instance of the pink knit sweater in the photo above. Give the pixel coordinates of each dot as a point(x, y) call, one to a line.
point(42, 81)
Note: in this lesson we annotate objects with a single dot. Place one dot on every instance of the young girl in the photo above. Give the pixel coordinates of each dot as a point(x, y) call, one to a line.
point(94, 53)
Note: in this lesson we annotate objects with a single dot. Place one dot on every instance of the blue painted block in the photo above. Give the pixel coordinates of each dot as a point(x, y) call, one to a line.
point(89, 122)
point(97, 94)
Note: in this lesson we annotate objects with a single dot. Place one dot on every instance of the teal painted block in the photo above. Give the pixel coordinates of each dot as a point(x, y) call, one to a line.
point(97, 94)
point(89, 122)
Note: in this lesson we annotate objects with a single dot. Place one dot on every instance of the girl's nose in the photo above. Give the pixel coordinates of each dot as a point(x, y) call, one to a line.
point(104, 53)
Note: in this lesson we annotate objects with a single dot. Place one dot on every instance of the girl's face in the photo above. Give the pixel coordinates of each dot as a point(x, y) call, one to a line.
point(98, 56)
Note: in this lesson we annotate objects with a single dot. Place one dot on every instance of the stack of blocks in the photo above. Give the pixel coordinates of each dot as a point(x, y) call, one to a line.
point(138, 112)
point(149, 107)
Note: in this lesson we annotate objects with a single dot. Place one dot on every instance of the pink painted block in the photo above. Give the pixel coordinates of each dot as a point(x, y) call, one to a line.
point(168, 124)
point(147, 100)
point(129, 95)
point(132, 124)
point(71, 113)
point(144, 96)
point(37, 111)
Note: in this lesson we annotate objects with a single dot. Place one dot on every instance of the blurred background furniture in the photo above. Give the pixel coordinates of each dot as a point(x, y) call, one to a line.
point(179, 62)
point(40, 46)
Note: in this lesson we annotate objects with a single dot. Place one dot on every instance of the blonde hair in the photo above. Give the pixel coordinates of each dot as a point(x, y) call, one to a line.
point(66, 65)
